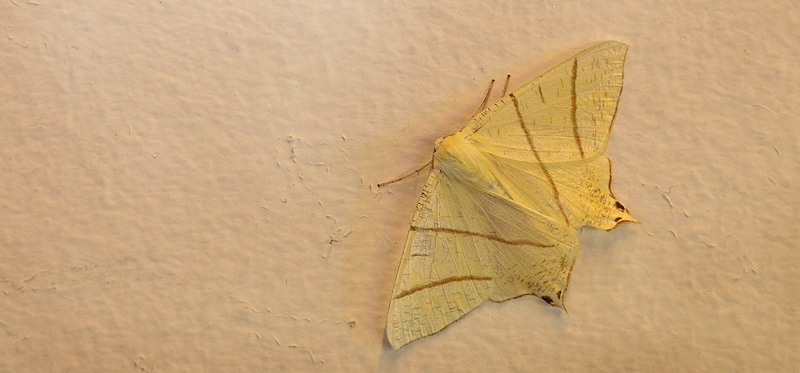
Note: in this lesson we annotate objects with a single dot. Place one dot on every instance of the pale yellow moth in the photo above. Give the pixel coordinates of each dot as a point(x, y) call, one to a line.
point(499, 215)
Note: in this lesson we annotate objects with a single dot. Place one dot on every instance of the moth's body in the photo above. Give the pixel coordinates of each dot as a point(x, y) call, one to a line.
point(458, 157)
point(499, 213)
point(455, 156)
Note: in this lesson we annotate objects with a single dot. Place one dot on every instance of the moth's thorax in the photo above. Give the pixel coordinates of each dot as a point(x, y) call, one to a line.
point(456, 156)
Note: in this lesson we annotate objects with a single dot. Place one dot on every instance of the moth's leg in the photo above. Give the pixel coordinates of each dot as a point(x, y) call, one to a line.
point(405, 176)
point(486, 98)
point(489, 91)
point(505, 88)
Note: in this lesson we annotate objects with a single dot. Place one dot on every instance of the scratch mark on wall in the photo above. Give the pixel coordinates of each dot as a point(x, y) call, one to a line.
point(293, 346)
point(141, 364)
point(762, 107)
point(666, 194)
point(335, 237)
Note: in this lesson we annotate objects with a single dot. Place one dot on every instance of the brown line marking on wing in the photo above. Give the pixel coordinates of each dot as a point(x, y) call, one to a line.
point(486, 236)
point(569, 274)
point(610, 177)
point(442, 282)
point(538, 159)
point(618, 220)
point(541, 95)
point(575, 107)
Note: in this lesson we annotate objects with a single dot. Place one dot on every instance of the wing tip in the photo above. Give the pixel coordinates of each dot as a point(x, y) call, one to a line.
point(621, 221)
point(396, 344)
point(398, 341)
point(395, 338)
point(615, 43)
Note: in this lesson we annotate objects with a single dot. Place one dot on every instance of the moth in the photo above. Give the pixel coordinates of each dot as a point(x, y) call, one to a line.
point(499, 214)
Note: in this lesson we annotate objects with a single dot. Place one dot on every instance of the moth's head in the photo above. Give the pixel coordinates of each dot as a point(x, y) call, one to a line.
point(440, 148)
point(447, 143)
point(438, 144)
point(455, 155)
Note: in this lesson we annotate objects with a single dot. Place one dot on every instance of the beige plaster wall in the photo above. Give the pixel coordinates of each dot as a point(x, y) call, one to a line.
point(186, 186)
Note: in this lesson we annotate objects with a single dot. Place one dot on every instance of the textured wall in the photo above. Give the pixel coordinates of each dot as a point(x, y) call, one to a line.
point(187, 187)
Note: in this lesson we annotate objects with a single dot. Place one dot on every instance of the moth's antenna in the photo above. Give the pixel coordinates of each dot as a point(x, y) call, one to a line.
point(405, 176)
point(508, 78)
point(486, 98)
